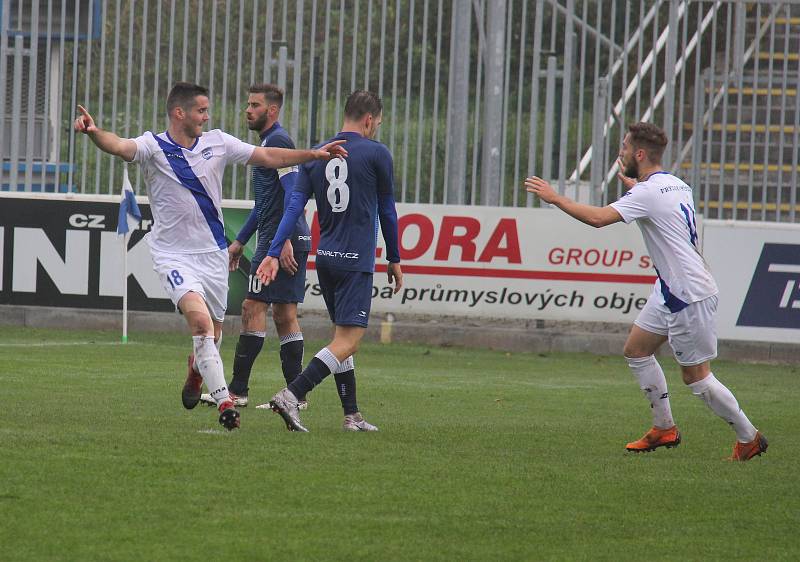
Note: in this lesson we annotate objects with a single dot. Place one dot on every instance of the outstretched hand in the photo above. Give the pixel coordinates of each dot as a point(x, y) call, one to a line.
point(84, 123)
point(333, 149)
point(540, 188)
point(268, 270)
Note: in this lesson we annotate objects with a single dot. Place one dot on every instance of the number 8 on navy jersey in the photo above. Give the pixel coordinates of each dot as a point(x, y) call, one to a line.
point(338, 191)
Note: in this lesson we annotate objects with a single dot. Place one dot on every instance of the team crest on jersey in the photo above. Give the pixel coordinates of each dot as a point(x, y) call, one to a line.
point(207, 153)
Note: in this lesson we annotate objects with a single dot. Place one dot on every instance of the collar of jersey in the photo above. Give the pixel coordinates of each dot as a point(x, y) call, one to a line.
point(654, 174)
point(196, 140)
point(266, 133)
point(359, 135)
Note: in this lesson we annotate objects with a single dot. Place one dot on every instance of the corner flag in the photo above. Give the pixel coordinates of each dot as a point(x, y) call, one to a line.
point(129, 217)
point(129, 214)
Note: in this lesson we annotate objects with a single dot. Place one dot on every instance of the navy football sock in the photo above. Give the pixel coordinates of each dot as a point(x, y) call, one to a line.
point(322, 365)
point(247, 349)
point(346, 387)
point(291, 356)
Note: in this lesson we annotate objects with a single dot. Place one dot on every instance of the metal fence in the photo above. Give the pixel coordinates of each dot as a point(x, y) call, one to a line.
point(477, 94)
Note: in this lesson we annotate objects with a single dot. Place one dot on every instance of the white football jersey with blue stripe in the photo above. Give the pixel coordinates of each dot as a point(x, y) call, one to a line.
point(663, 207)
point(184, 186)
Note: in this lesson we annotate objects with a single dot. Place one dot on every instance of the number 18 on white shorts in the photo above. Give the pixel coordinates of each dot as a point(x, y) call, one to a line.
point(205, 274)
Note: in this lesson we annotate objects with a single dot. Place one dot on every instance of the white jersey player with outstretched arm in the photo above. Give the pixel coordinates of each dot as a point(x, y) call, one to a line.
point(683, 303)
point(183, 169)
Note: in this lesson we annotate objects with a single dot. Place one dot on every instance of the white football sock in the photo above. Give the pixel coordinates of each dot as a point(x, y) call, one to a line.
point(218, 342)
point(723, 403)
point(348, 364)
point(654, 385)
point(208, 362)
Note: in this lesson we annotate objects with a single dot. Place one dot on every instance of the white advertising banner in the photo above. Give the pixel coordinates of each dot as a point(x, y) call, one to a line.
point(757, 268)
point(457, 260)
point(509, 262)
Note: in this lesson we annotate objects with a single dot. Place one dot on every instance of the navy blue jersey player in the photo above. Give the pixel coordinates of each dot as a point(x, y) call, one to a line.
point(351, 195)
point(271, 188)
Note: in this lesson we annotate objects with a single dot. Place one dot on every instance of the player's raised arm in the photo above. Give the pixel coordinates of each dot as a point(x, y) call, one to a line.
point(104, 140)
point(271, 157)
point(588, 214)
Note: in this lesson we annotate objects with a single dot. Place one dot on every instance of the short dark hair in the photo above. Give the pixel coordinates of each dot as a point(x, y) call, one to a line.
point(650, 138)
point(182, 95)
point(361, 102)
point(272, 93)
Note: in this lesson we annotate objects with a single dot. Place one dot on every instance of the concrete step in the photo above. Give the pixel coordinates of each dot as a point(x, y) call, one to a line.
point(780, 42)
point(745, 152)
point(747, 129)
point(746, 201)
point(783, 21)
point(771, 104)
point(746, 167)
point(778, 56)
point(761, 91)
point(781, 112)
point(742, 210)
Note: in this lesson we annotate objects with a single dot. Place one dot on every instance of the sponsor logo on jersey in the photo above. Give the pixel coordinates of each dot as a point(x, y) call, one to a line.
point(340, 255)
point(773, 299)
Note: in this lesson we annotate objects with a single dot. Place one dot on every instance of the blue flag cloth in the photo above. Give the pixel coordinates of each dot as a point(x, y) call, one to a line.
point(129, 214)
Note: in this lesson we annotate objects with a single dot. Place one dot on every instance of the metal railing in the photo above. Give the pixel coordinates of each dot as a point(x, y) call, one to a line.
point(477, 93)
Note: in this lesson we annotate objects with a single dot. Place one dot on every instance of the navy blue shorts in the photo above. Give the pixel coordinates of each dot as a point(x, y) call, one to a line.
point(285, 289)
point(347, 294)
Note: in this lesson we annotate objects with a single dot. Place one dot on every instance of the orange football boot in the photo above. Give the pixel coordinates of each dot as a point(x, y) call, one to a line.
point(746, 451)
point(656, 438)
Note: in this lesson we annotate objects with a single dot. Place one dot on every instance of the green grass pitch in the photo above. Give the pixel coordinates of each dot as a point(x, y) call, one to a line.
point(482, 455)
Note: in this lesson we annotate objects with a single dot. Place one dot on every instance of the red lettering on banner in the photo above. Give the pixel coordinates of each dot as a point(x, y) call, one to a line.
point(466, 240)
point(593, 256)
point(506, 230)
point(556, 256)
point(425, 240)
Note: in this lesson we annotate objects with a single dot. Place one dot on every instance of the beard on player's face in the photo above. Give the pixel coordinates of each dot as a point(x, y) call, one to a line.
point(631, 169)
point(257, 123)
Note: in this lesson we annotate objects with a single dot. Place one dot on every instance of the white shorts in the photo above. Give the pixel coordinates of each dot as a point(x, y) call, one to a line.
point(205, 274)
point(692, 332)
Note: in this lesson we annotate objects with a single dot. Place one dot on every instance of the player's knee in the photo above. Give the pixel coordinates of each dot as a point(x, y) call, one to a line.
point(694, 373)
point(632, 351)
point(635, 362)
point(285, 317)
point(251, 312)
point(354, 347)
point(200, 327)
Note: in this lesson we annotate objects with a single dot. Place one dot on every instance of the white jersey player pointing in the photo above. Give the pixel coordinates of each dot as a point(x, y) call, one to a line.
point(682, 306)
point(183, 169)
